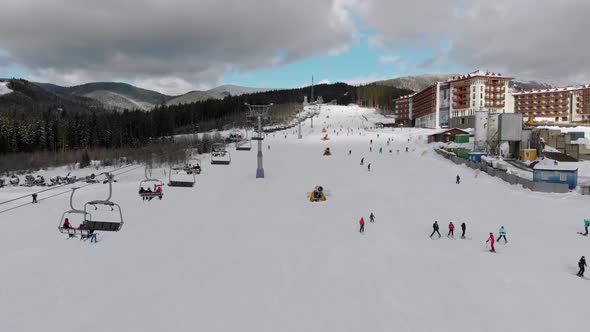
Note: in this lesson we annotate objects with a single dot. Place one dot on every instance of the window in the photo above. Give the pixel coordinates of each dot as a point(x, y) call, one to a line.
point(562, 177)
point(481, 95)
point(481, 103)
point(481, 88)
point(545, 175)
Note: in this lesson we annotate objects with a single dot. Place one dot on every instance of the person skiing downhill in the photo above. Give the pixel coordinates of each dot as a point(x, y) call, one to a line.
point(380, 150)
point(491, 240)
point(349, 152)
point(362, 223)
point(582, 266)
point(502, 235)
point(435, 229)
point(463, 227)
point(372, 217)
point(458, 179)
point(586, 225)
point(362, 161)
point(451, 230)
point(371, 141)
point(370, 149)
point(369, 167)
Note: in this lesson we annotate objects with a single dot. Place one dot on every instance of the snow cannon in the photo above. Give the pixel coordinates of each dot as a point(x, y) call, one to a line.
point(317, 194)
point(325, 138)
point(327, 152)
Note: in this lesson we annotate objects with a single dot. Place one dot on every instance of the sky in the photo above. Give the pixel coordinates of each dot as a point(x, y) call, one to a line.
point(174, 46)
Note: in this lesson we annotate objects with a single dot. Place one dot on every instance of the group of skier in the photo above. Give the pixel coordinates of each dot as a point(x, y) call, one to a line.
point(451, 234)
point(491, 239)
point(362, 222)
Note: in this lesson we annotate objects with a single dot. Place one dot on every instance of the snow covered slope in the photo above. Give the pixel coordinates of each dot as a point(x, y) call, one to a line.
point(4, 89)
point(236, 253)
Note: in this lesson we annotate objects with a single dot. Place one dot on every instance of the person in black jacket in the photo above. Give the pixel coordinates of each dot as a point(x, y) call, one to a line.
point(463, 227)
point(582, 266)
point(34, 198)
point(435, 229)
point(458, 179)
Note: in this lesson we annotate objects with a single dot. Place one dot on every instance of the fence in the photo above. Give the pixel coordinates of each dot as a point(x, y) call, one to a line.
point(544, 187)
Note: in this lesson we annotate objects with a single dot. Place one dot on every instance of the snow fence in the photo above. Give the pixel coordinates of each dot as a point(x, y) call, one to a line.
point(510, 178)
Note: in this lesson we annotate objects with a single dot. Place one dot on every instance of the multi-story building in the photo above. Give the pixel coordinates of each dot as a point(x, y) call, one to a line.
point(453, 102)
point(555, 105)
point(403, 110)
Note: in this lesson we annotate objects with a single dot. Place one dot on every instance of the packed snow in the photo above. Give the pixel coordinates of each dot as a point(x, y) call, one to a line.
point(236, 253)
point(4, 89)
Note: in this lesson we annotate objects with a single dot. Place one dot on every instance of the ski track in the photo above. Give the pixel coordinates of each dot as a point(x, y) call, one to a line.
point(239, 254)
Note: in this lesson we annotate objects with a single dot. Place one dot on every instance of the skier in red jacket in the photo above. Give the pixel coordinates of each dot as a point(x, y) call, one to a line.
point(491, 240)
point(451, 230)
point(362, 223)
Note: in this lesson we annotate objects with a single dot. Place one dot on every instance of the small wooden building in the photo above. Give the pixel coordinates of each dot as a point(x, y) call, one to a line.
point(446, 135)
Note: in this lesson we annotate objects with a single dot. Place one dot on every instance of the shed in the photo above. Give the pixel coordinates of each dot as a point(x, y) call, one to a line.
point(476, 156)
point(560, 173)
point(446, 135)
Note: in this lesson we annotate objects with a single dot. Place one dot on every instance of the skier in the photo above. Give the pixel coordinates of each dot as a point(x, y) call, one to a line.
point(582, 265)
point(586, 225)
point(371, 141)
point(502, 235)
point(269, 147)
point(35, 199)
point(349, 152)
point(67, 224)
point(362, 223)
point(380, 150)
point(463, 227)
point(372, 217)
point(362, 161)
point(435, 229)
point(406, 149)
point(370, 149)
point(458, 180)
point(491, 240)
point(451, 229)
point(369, 167)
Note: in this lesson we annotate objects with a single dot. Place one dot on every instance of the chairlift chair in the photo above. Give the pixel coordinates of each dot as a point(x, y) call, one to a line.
point(219, 156)
point(14, 180)
point(177, 179)
point(235, 136)
point(110, 225)
point(148, 183)
point(83, 231)
point(29, 181)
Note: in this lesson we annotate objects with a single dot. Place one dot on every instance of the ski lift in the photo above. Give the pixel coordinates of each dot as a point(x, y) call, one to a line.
point(14, 180)
point(70, 230)
point(245, 144)
point(178, 177)
point(113, 224)
point(235, 136)
point(193, 165)
point(219, 156)
point(148, 183)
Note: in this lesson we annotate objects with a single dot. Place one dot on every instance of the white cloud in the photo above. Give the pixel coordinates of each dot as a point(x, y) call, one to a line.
point(391, 59)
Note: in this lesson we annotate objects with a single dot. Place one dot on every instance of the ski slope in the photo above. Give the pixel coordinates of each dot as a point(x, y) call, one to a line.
point(236, 253)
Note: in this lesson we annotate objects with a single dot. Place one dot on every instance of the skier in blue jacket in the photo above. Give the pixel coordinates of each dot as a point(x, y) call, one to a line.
point(586, 225)
point(502, 235)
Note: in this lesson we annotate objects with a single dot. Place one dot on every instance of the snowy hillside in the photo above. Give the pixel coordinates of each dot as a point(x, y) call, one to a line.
point(236, 253)
point(4, 89)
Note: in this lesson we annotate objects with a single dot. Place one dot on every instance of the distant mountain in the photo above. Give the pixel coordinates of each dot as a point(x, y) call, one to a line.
point(125, 96)
point(531, 85)
point(27, 96)
point(113, 95)
point(418, 82)
point(219, 92)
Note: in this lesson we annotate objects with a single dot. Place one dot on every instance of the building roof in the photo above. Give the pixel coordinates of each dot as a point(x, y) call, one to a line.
point(563, 89)
point(562, 166)
point(407, 96)
point(479, 73)
point(443, 131)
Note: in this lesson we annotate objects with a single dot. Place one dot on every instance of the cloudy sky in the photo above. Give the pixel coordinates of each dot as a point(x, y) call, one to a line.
point(174, 46)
